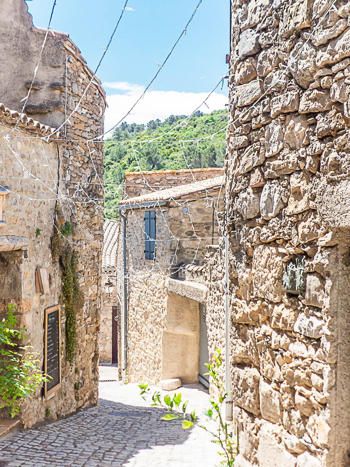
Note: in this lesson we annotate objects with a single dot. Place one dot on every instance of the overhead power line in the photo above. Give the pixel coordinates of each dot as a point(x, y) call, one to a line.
point(183, 33)
point(95, 72)
point(36, 69)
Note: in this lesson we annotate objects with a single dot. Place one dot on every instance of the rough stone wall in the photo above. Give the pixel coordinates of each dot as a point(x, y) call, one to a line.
point(288, 206)
point(63, 77)
point(21, 43)
point(81, 171)
point(182, 238)
point(146, 322)
point(29, 213)
point(140, 183)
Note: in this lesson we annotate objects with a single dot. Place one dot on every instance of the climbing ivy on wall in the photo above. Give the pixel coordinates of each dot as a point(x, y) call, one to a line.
point(72, 299)
point(62, 251)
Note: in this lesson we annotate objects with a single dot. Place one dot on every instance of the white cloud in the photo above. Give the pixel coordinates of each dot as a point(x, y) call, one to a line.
point(124, 86)
point(155, 104)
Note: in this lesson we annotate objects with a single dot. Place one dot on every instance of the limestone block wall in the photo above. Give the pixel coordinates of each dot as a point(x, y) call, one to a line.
point(29, 213)
point(75, 181)
point(196, 226)
point(21, 44)
point(288, 205)
point(81, 172)
point(146, 323)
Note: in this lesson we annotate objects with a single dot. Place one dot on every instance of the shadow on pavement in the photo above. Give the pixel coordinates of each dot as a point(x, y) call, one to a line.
point(106, 435)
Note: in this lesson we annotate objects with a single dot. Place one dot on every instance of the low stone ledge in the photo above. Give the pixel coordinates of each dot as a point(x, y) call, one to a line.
point(6, 426)
point(12, 242)
point(192, 290)
point(170, 384)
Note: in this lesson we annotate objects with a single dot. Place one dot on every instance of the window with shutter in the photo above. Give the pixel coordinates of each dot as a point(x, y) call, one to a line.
point(150, 234)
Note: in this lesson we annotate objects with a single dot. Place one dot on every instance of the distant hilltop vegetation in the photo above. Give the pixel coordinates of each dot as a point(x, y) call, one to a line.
point(177, 144)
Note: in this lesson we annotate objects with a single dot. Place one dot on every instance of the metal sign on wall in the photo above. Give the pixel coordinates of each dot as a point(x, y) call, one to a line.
point(52, 350)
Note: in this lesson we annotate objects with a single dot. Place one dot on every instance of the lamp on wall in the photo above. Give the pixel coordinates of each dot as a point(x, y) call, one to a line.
point(4, 190)
point(109, 287)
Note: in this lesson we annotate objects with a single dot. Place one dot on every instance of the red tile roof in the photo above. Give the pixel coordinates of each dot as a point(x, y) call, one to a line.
point(181, 191)
point(22, 120)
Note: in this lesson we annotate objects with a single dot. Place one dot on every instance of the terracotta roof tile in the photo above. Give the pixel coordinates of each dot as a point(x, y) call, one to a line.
point(180, 171)
point(12, 117)
point(177, 192)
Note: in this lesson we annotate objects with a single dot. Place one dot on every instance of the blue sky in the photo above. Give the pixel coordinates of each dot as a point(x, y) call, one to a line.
point(143, 40)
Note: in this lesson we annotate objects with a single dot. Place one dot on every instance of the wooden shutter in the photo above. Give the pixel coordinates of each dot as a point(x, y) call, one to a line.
point(150, 234)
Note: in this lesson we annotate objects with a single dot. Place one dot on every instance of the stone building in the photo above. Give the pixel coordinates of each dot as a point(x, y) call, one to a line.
point(288, 224)
point(110, 312)
point(51, 228)
point(164, 232)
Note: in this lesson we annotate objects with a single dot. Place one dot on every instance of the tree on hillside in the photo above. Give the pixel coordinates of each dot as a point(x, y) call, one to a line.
point(121, 155)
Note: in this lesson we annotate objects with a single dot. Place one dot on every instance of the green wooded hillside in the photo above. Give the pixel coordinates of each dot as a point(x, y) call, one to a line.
point(166, 153)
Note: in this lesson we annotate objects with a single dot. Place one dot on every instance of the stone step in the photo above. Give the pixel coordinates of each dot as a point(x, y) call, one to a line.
point(8, 425)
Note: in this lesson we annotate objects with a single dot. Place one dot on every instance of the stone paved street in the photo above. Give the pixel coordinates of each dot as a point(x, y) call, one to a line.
point(122, 431)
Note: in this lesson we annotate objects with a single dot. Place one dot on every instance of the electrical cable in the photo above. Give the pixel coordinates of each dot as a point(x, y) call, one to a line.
point(95, 72)
point(183, 33)
point(36, 69)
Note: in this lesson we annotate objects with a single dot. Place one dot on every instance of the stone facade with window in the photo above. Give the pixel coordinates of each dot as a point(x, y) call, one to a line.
point(166, 231)
point(53, 190)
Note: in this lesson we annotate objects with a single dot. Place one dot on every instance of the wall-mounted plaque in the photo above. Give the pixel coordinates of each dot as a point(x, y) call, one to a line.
point(294, 276)
point(52, 364)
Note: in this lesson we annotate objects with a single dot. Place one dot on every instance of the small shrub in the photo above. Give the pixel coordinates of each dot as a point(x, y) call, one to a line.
point(20, 375)
point(177, 408)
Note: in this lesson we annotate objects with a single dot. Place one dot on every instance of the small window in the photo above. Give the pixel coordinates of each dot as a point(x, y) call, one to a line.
point(150, 234)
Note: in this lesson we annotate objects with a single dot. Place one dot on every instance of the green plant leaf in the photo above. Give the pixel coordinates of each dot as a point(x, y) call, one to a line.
point(168, 401)
point(177, 399)
point(184, 406)
point(194, 416)
point(170, 416)
point(186, 424)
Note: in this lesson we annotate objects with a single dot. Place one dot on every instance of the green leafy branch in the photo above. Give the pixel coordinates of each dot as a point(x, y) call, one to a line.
point(20, 374)
point(174, 404)
point(223, 435)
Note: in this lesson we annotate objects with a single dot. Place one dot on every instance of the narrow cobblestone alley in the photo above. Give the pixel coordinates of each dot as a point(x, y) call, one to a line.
point(122, 431)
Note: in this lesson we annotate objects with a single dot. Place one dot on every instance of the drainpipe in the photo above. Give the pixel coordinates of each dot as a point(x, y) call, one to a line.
point(228, 385)
point(125, 297)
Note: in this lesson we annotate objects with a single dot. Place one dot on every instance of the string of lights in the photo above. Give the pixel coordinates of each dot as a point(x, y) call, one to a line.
point(182, 34)
point(193, 140)
point(76, 108)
